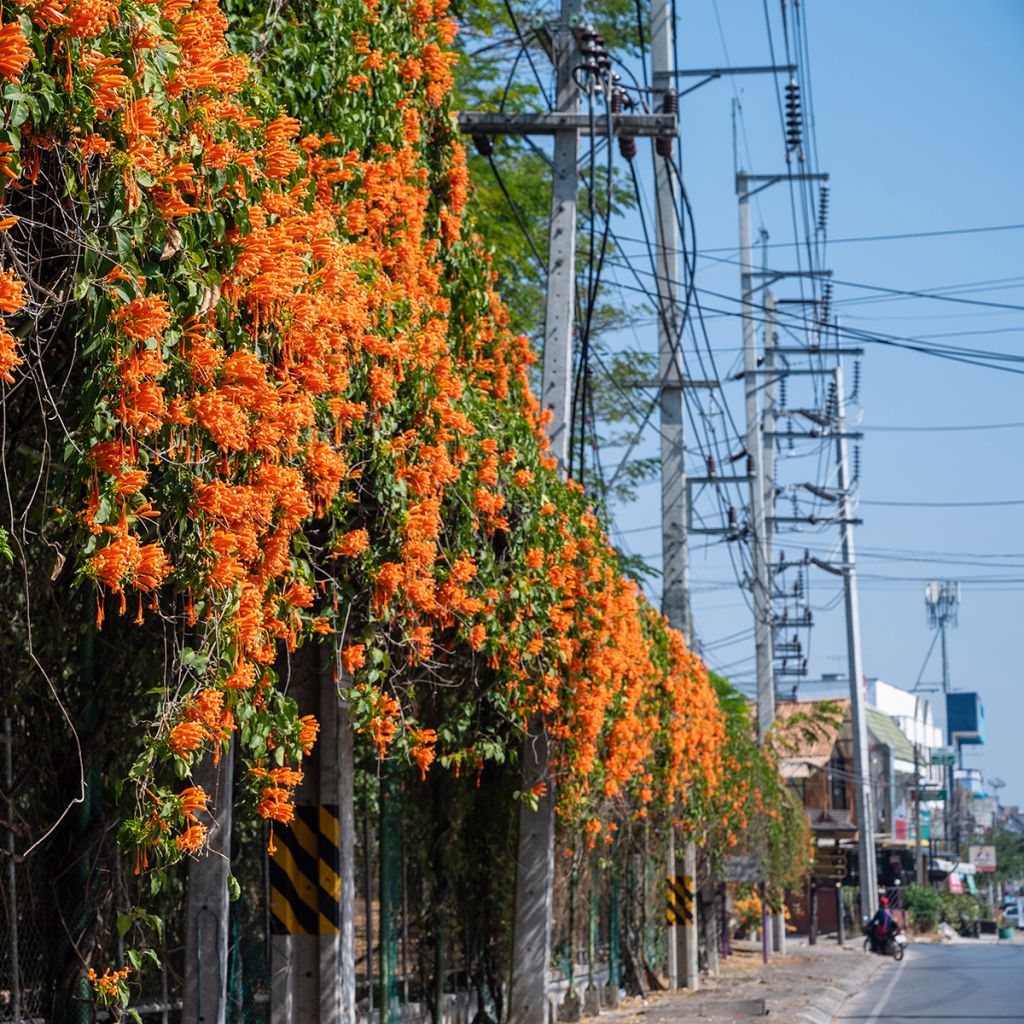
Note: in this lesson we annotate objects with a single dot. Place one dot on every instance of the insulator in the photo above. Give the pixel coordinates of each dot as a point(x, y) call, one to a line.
point(856, 464)
point(750, 465)
point(782, 393)
point(822, 207)
point(484, 144)
point(615, 101)
point(711, 465)
point(794, 118)
point(808, 617)
point(855, 393)
point(627, 147)
point(669, 105)
point(731, 516)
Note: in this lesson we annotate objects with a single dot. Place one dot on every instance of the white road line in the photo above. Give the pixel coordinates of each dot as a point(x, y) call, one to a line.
point(885, 995)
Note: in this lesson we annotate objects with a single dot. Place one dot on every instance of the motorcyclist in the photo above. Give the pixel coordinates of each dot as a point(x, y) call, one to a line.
point(882, 925)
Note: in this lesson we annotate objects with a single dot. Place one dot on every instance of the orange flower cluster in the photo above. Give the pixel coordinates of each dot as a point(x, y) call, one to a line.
point(320, 383)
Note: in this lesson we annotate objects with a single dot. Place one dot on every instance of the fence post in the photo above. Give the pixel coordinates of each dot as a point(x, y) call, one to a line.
point(390, 824)
point(208, 910)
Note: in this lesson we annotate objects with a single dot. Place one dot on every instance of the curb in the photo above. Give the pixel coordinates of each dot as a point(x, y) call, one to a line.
point(829, 1001)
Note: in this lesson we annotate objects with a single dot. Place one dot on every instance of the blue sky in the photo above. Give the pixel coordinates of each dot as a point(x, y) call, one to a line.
point(916, 115)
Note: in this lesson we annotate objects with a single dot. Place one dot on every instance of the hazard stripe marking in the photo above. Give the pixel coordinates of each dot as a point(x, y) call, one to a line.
point(678, 900)
point(305, 881)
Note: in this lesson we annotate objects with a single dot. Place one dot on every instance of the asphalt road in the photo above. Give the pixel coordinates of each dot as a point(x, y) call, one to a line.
point(961, 983)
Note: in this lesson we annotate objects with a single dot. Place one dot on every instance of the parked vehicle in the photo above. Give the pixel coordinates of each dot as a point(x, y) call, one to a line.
point(892, 945)
point(1012, 913)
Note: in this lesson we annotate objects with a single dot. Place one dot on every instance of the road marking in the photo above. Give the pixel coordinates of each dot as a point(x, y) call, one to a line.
point(885, 995)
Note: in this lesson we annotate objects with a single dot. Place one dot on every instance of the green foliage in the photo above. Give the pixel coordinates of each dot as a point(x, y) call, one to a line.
point(958, 907)
point(925, 906)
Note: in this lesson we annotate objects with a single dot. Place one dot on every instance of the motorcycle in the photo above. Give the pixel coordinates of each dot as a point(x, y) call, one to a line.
point(892, 945)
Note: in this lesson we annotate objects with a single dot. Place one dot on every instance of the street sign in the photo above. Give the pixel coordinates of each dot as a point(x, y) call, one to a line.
point(943, 755)
point(928, 794)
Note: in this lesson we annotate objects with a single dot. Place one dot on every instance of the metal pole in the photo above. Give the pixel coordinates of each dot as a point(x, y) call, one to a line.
point(840, 923)
point(755, 469)
point(862, 764)
point(531, 928)
point(12, 874)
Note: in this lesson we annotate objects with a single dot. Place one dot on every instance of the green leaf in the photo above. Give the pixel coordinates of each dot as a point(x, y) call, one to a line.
point(234, 889)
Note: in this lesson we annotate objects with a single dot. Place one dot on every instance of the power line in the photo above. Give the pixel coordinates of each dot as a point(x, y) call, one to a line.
point(947, 232)
point(946, 504)
point(958, 426)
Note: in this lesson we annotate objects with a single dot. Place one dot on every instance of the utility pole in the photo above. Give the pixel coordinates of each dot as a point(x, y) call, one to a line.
point(535, 863)
point(312, 899)
point(919, 874)
point(755, 470)
point(861, 761)
point(942, 601)
point(531, 929)
point(768, 432)
point(675, 598)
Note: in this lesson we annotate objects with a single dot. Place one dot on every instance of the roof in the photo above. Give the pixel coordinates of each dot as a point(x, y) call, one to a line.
point(804, 741)
point(886, 731)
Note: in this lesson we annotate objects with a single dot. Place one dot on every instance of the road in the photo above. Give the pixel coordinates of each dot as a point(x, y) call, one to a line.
point(962, 983)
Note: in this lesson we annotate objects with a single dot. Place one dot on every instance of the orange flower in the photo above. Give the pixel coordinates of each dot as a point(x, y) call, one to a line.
point(353, 658)
point(143, 318)
point(192, 839)
point(186, 737)
point(353, 543)
point(12, 296)
point(15, 53)
point(308, 728)
point(193, 800)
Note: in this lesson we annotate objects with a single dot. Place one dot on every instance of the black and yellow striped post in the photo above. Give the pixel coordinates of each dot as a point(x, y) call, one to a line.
point(679, 907)
point(305, 882)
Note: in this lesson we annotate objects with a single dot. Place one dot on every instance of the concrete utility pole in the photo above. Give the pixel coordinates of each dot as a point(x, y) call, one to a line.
point(535, 863)
point(861, 760)
point(768, 431)
point(204, 1000)
point(755, 470)
point(531, 930)
point(312, 896)
point(675, 599)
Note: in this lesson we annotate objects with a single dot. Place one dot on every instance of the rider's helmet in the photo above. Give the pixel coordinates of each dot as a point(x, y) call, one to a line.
point(884, 901)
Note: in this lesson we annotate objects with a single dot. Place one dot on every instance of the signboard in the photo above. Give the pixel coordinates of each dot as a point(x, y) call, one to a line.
point(743, 869)
point(965, 718)
point(928, 794)
point(983, 857)
point(943, 755)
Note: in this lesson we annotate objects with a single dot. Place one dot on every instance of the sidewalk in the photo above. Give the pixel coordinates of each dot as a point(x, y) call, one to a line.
point(806, 986)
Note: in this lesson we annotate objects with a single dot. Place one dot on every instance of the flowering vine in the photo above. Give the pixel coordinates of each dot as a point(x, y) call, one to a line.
point(305, 420)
